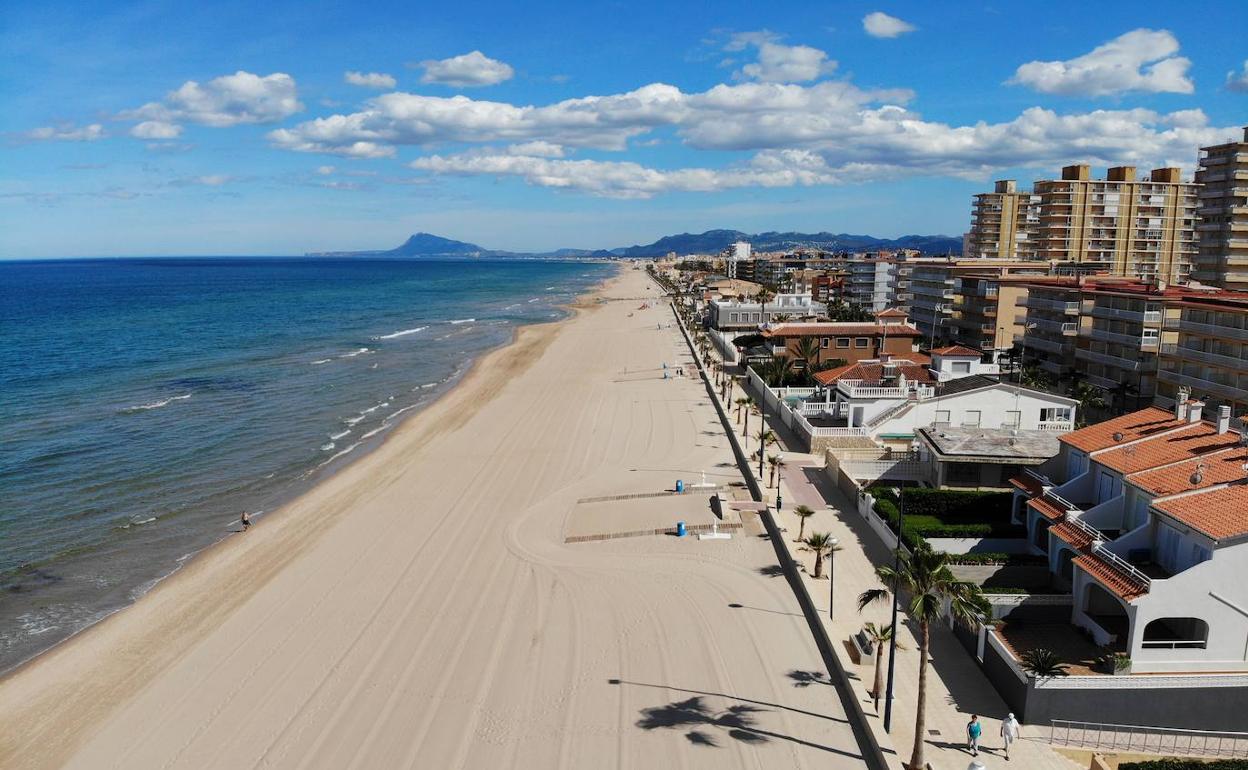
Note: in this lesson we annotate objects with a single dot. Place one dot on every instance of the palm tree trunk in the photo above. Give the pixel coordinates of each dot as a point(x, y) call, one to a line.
point(801, 530)
point(818, 565)
point(879, 674)
point(920, 713)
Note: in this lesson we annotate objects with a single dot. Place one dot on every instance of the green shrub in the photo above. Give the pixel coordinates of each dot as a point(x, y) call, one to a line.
point(1174, 763)
point(951, 505)
point(1004, 559)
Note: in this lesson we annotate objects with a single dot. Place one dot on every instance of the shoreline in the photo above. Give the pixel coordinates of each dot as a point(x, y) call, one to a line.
point(320, 476)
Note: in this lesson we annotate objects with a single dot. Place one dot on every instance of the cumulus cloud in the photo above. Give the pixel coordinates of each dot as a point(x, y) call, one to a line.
point(787, 64)
point(1238, 80)
point(370, 79)
point(470, 69)
point(324, 170)
point(156, 129)
point(538, 149)
point(67, 133)
point(229, 100)
point(880, 24)
point(624, 179)
point(1139, 60)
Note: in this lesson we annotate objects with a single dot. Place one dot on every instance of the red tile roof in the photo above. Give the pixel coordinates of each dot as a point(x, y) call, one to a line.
point(1136, 425)
point(892, 312)
point(846, 329)
point(1215, 468)
point(869, 373)
point(1190, 441)
point(1077, 537)
point(1219, 513)
point(1108, 576)
point(1047, 508)
point(957, 350)
point(1028, 483)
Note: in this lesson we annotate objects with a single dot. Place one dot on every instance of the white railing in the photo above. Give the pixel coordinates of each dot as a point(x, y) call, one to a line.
point(1139, 739)
point(1120, 564)
point(1062, 502)
point(1039, 477)
point(853, 390)
point(1058, 426)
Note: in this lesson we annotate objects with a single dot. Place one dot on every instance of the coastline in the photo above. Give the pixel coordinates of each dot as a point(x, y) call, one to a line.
point(324, 474)
point(422, 608)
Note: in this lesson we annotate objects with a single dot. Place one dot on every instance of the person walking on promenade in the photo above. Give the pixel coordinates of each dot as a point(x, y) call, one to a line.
point(1009, 733)
point(973, 730)
point(246, 520)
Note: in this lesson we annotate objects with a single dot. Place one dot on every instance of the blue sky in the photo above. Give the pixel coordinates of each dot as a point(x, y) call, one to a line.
point(278, 128)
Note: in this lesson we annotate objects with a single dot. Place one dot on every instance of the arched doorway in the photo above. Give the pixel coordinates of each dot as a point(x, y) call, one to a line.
point(1176, 634)
point(1108, 612)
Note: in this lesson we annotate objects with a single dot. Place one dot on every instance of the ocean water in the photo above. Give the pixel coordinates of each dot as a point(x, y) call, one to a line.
point(145, 403)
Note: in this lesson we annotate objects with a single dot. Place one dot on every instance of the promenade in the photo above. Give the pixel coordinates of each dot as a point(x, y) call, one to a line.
point(422, 608)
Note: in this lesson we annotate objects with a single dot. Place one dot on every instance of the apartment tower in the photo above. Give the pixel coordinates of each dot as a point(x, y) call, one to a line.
point(1002, 224)
point(1223, 247)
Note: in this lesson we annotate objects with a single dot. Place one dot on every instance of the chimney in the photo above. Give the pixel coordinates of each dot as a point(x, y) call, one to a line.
point(885, 357)
point(1194, 410)
point(1180, 407)
point(1224, 419)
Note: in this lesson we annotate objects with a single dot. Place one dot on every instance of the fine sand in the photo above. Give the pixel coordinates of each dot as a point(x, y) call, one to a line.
point(422, 608)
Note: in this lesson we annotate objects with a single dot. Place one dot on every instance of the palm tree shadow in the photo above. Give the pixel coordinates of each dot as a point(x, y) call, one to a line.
point(771, 570)
point(737, 721)
point(807, 678)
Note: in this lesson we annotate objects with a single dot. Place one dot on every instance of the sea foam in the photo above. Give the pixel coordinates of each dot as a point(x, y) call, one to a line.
point(156, 404)
point(403, 333)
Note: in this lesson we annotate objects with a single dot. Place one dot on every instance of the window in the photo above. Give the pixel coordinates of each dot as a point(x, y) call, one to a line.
point(962, 367)
point(862, 342)
point(823, 343)
point(1012, 419)
point(1055, 414)
point(1176, 634)
point(962, 474)
point(734, 318)
point(942, 416)
point(842, 342)
point(971, 418)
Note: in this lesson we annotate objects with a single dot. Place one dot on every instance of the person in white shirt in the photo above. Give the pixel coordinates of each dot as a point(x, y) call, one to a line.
point(1009, 733)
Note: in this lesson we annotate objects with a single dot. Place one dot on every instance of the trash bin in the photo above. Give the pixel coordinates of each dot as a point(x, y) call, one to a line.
point(680, 529)
point(680, 486)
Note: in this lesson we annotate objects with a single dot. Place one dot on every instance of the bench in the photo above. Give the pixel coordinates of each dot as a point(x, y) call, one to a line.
point(861, 647)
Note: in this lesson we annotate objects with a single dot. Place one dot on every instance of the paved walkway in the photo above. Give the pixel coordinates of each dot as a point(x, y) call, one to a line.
point(957, 687)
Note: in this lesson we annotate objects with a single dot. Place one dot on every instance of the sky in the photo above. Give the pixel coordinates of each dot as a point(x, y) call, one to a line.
point(161, 128)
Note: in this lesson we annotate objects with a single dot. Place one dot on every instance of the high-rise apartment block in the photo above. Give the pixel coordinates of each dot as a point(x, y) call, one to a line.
point(1140, 228)
point(1223, 229)
point(1002, 224)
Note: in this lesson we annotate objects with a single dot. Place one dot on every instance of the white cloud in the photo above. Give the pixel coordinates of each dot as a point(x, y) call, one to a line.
point(156, 129)
point(324, 170)
point(67, 133)
point(213, 180)
point(787, 64)
point(370, 79)
point(225, 101)
point(1139, 60)
point(880, 24)
point(624, 179)
point(537, 149)
point(470, 69)
point(1238, 80)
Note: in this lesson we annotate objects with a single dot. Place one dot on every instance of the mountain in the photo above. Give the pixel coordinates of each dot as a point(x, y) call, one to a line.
point(709, 242)
point(713, 241)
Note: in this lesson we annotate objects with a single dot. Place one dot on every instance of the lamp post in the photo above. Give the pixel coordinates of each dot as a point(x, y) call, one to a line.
point(892, 642)
point(832, 580)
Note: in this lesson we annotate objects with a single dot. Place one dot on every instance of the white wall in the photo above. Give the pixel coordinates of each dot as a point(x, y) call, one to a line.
point(992, 404)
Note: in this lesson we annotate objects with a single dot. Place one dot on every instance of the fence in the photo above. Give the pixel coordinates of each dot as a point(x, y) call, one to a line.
point(1137, 739)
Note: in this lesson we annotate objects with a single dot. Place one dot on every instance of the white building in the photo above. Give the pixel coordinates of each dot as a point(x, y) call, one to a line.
point(1145, 519)
point(735, 315)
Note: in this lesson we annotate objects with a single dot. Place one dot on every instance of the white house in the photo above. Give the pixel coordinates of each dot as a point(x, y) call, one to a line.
point(1150, 532)
point(737, 315)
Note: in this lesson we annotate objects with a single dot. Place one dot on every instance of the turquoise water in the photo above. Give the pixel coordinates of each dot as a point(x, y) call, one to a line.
point(144, 403)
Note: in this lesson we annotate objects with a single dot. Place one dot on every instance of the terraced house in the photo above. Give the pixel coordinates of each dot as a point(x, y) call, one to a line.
point(1144, 518)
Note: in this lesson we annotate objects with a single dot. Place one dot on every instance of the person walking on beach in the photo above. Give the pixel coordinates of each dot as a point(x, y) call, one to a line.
point(1009, 733)
point(973, 730)
point(246, 520)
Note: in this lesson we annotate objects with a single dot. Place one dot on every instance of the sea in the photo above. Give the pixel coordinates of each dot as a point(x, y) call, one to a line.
point(146, 403)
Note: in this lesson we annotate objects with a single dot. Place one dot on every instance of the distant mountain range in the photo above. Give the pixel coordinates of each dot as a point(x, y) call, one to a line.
point(709, 242)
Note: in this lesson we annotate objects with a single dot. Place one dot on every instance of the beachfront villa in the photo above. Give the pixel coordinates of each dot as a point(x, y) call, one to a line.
point(1144, 518)
point(738, 315)
point(891, 334)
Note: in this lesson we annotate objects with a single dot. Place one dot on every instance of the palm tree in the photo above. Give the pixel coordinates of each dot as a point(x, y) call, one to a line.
point(926, 577)
point(1043, 663)
point(1089, 397)
point(762, 297)
point(808, 352)
point(765, 438)
point(777, 464)
point(820, 543)
point(780, 318)
point(803, 512)
point(879, 636)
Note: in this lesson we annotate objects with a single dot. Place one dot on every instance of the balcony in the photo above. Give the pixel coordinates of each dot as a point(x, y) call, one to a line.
point(1127, 364)
point(1202, 386)
point(1139, 316)
point(1132, 340)
point(1069, 308)
point(1039, 343)
point(1183, 352)
point(1209, 330)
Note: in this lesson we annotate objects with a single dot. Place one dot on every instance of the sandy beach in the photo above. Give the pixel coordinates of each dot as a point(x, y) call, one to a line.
point(422, 608)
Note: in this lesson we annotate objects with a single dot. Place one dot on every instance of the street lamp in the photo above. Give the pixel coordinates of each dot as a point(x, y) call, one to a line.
point(892, 643)
point(832, 579)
